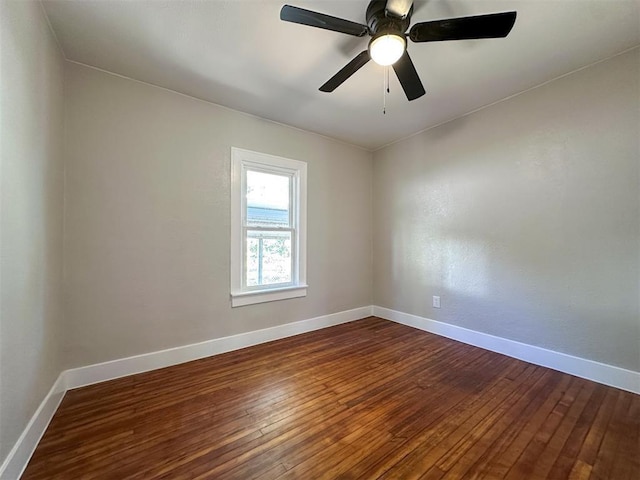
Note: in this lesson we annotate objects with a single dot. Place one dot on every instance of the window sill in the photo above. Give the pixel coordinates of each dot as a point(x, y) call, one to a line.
point(239, 299)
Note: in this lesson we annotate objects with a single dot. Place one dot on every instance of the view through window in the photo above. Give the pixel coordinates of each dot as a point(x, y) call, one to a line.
point(269, 229)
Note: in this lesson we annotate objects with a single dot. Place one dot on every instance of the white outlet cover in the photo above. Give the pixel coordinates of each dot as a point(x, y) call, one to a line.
point(436, 301)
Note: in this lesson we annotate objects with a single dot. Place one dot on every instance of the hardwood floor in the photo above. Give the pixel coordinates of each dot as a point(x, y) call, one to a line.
point(368, 399)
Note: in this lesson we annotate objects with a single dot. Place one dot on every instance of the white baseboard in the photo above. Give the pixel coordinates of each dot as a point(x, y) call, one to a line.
point(20, 455)
point(580, 367)
point(100, 372)
point(18, 458)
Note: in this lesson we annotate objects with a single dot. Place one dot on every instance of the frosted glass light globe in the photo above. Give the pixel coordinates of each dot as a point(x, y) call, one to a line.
point(387, 49)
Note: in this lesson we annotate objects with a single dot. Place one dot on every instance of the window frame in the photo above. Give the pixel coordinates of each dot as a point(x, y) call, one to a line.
point(241, 161)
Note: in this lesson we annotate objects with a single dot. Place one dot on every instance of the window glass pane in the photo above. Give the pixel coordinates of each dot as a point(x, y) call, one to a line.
point(268, 258)
point(268, 199)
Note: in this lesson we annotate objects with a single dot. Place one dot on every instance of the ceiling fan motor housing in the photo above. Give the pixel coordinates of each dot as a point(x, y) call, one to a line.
point(380, 23)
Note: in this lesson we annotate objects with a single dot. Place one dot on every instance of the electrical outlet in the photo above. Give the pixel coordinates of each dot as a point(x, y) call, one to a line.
point(436, 301)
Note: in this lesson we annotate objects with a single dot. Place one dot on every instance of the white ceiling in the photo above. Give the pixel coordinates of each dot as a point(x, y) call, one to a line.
point(239, 54)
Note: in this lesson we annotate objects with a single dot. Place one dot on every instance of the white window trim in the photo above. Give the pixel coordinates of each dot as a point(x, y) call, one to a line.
point(240, 159)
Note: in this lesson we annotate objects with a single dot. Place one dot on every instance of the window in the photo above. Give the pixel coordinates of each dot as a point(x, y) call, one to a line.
point(268, 228)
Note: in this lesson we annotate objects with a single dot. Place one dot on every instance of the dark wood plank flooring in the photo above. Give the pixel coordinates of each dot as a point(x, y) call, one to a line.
point(368, 399)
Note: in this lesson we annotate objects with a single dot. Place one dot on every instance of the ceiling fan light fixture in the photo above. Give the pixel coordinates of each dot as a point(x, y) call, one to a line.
point(388, 22)
point(386, 49)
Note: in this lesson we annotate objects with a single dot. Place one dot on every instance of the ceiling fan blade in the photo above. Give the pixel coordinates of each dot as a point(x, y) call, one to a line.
point(349, 69)
point(494, 25)
point(408, 77)
point(398, 8)
point(320, 20)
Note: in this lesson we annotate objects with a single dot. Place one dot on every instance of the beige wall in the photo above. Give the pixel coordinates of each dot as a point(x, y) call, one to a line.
point(31, 136)
point(523, 216)
point(147, 222)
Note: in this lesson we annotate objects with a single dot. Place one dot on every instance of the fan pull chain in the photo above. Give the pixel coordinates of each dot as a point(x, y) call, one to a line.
point(385, 89)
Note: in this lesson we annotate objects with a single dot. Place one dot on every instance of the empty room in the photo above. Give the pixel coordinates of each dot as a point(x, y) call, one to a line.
point(258, 239)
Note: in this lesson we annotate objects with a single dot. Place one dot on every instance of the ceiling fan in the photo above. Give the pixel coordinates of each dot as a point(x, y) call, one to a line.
point(387, 24)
